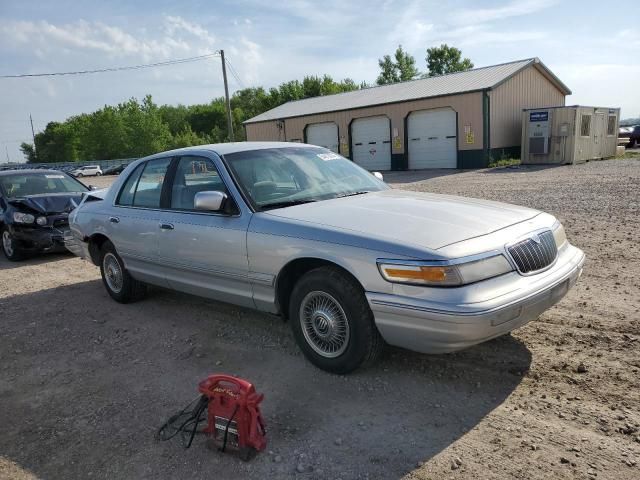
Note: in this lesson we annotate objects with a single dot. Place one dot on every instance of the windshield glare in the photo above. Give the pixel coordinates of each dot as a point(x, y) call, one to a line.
point(22, 185)
point(278, 176)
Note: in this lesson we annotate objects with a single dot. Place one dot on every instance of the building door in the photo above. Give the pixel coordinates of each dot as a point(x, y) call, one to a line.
point(432, 139)
point(598, 135)
point(371, 140)
point(324, 135)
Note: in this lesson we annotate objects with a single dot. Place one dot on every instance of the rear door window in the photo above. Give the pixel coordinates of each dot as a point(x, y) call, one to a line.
point(129, 188)
point(149, 189)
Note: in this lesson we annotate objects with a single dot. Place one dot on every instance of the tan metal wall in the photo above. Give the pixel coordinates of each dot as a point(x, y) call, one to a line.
point(575, 148)
point(264, 131)
point(468, 106)
point(527, 89)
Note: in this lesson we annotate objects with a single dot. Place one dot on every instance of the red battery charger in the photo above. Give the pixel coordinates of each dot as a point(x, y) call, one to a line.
point(233, 415)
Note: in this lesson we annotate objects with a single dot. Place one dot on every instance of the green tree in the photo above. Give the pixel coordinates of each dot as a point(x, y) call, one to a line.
point(145, 132)
point(136, 128)
point(445, 59)
point(187, 138)
point(400, 68)
point(104, 135)
point(57, 143)
point(28, 152)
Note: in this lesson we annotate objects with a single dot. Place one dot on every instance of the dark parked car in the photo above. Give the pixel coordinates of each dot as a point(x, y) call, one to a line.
point(34, 210)
point(632, 133)
point(117, 170)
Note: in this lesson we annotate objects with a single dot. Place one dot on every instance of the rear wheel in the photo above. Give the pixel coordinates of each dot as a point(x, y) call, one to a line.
point(10, 246)
point(332, 322)
point(120, 285)
point(98, 174)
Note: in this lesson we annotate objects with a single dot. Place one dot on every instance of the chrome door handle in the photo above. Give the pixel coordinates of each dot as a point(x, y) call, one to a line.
point(166, 226)
point(114, 219)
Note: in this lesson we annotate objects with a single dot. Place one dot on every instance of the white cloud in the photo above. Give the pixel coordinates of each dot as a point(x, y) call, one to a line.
point(181, 37)
point(514, 8)
point(606, 85)
point(476, 35)
point(180, 25)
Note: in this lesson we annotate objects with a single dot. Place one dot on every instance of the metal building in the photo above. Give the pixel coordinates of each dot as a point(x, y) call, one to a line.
point(572, 134)
point(459, 120)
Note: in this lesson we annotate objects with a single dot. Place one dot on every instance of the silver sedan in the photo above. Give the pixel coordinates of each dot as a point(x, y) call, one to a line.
point(302, 232)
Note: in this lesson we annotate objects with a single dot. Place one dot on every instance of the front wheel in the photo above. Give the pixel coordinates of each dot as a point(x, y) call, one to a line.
point(80, 175)
point(98, 174)
point(10, 247)
point(120, 285)
point(332, 322)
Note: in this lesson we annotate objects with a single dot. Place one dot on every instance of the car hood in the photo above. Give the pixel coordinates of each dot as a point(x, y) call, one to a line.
point(425, 220)
point(49, 203)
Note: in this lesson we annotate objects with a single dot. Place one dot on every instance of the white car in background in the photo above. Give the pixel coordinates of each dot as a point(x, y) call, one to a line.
point(87, 171)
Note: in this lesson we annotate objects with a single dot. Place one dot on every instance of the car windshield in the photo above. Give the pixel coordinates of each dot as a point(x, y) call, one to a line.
point(22, 185)
point(281, 177)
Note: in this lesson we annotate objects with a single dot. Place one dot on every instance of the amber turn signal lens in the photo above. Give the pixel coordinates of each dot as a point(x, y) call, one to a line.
point(428, 274)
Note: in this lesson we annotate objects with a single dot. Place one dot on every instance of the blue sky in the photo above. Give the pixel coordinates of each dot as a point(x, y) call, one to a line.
point(593, 46)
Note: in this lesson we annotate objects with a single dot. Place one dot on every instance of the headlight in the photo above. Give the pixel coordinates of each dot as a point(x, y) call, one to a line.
point(447, 274)
point(23, 217)
point(559, 235)
point(42, 221)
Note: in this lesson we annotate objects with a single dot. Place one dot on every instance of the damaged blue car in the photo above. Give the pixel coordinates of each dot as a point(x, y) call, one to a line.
point(34, 210)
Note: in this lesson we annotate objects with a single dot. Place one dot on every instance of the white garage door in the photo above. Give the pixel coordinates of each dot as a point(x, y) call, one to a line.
point(371, 141)
point(324, 135)
point(432, 139)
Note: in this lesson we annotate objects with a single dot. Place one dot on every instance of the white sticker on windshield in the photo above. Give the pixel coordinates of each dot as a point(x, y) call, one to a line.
point(328, 156)
point(54, 176)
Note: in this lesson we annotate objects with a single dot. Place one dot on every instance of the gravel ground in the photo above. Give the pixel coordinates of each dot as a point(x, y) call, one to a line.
point(84, 381)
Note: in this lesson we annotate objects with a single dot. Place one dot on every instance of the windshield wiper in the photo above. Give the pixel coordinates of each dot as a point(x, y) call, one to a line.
point(285, 203)
point(362, 192)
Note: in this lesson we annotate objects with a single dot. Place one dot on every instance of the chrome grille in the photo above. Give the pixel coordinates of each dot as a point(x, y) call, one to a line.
point(531, 255)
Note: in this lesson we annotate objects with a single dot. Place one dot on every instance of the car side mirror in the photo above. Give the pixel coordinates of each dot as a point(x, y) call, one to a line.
point(378, 175)
point(212, 201)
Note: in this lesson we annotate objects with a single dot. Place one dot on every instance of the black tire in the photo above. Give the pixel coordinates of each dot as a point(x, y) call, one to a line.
point(98, 174)
point(125, 290)
point(13, 252)
point(80, 175)
point(363, 343)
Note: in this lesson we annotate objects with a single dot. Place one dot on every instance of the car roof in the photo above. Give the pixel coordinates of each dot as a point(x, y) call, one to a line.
point(233, 147)
point(4, 173)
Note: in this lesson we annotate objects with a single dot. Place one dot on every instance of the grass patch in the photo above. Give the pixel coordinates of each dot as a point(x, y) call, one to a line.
point(504, 162)
point(634, 154)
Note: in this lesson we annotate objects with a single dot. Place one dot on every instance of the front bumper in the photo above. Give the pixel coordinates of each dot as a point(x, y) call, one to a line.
point(474, 313)
point(40, 239)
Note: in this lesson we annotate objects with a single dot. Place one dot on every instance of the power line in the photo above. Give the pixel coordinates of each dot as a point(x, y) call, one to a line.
point(235, 74)
point(116, 69)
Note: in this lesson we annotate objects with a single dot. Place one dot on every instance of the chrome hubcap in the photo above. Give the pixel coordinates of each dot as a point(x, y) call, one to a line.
point(7, 243)
point(324, 324)
point(112, 272)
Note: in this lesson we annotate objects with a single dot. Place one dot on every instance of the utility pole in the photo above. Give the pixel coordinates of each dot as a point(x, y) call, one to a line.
point(226, 96)
point(6, 149)
point(33, 135)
